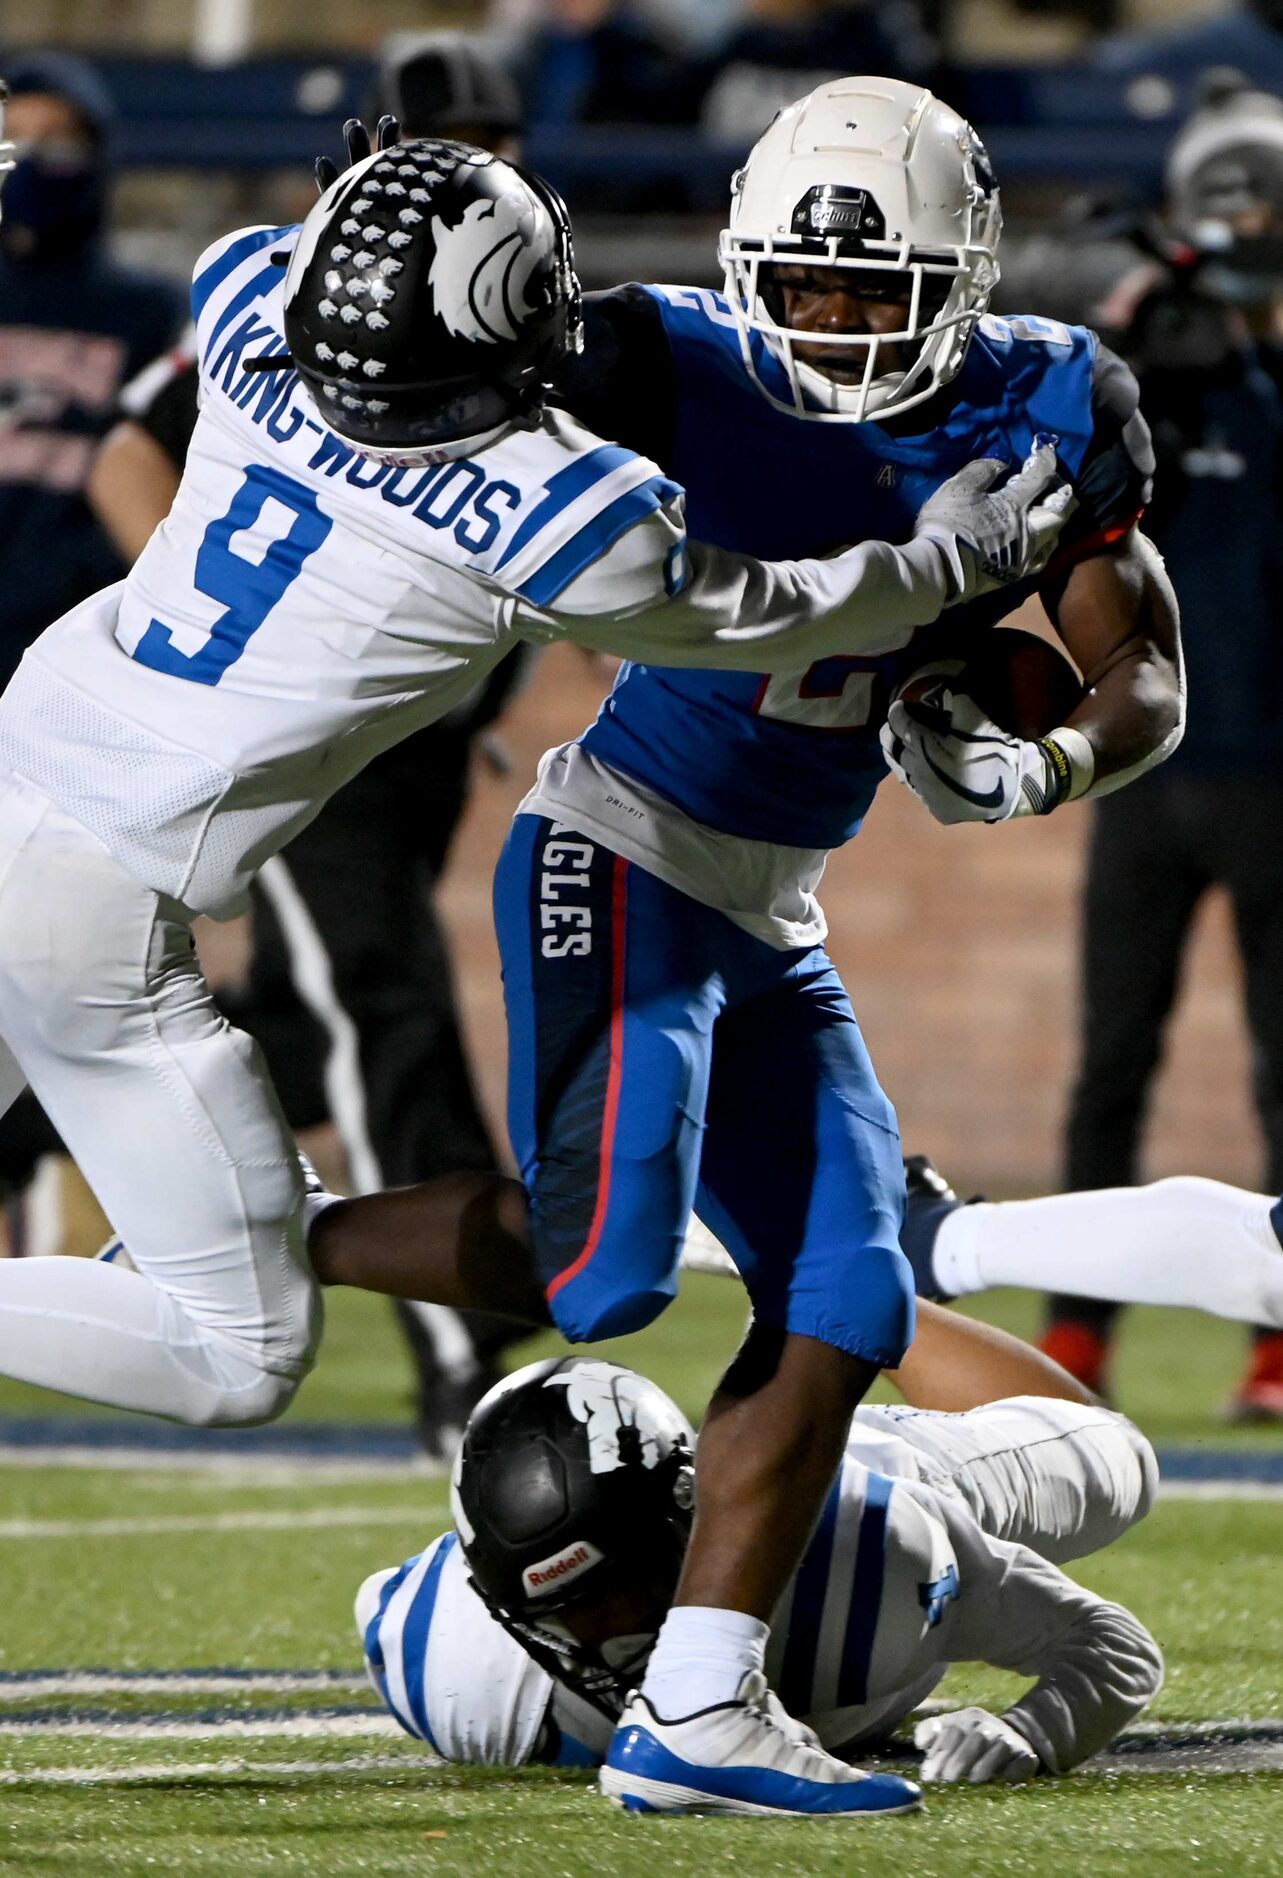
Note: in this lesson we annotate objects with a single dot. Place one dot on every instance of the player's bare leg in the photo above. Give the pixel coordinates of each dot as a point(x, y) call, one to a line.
point(768, 1451)
point(461, 1241)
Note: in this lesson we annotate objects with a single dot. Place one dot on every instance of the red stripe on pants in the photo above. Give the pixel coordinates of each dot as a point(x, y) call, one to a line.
point(614, 1076)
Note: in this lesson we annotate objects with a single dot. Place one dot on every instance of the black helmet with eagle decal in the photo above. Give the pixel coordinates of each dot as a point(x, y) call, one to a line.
point(574, 1481)
point(430, 297)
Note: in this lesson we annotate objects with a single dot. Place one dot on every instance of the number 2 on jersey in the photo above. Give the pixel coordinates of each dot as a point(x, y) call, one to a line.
point(833, 694)
point(247, 588)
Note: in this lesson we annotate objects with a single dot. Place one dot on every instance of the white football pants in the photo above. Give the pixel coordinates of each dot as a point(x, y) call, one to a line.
point(1064, 1478)
point(173, 1120)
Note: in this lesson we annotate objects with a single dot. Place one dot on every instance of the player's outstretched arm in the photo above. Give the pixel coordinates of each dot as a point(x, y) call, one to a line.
point(1097, 1667)
point(658, 597)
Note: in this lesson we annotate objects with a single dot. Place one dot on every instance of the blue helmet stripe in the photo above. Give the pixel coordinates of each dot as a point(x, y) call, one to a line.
point(595, 538)
point(414, 1637)
point(866, 1594)
point(563, 488)
point(797, 1671)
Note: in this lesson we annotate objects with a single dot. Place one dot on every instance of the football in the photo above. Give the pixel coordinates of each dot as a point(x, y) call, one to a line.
point(1019, 680)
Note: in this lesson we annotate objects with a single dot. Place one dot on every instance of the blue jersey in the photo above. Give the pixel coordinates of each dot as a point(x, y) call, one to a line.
point(795, 759)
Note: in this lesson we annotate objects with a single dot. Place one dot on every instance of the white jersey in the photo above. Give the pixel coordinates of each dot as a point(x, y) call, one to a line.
point(304, 606)
point(933, 1549)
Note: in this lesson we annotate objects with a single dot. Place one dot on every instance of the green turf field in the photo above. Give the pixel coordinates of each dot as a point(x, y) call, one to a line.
point(139, 1568)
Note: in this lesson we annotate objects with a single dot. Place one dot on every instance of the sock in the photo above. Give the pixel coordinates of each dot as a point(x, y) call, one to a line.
point(954, 1254)
point(1183, 1242)
point(700, 1658)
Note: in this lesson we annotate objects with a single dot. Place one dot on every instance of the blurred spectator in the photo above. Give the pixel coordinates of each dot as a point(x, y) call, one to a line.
point(450, 84)
point(1205, 338)
point(597, 62)
point(784, 48)
point(73, 327)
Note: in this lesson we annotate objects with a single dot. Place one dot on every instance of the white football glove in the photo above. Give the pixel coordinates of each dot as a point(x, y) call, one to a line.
point(963, 766)
point(971, 1744)
point(1003, 535)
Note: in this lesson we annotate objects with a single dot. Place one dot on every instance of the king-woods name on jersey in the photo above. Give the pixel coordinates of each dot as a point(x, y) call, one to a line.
point(318, 605)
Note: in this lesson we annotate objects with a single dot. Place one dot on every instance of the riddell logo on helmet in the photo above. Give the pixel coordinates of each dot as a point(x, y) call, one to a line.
point(548, 1574)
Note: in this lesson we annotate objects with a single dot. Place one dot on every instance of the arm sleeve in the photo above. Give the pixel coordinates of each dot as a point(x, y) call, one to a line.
point(623, 385)
point(167, 407)
point(655, 596)
point(1096, 1665)
point(1115, 479)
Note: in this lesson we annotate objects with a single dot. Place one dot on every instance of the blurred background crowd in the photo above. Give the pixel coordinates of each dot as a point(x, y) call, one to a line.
point(1017, 985)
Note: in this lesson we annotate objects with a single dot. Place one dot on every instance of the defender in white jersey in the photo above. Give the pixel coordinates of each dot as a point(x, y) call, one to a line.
point(351, 549)
point(939, 1544)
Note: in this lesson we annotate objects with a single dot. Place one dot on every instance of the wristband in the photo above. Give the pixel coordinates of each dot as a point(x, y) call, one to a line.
point(1071, 766)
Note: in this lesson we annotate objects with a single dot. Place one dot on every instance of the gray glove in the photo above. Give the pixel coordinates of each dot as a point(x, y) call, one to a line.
point(973, 1745)
point(1002, 535)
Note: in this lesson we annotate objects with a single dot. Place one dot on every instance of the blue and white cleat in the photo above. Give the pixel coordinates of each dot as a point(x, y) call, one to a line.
point(747, 1756)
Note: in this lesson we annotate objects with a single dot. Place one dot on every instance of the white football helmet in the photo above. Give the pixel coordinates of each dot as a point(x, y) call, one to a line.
point(877, 175)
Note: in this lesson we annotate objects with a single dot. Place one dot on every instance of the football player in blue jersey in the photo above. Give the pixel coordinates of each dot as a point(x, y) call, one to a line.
point(517, 1637)
point(679, 1037)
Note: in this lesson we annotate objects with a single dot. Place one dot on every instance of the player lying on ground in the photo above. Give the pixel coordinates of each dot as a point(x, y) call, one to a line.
point(678, 1034)
point(1186, 1241)
point(517, 1637)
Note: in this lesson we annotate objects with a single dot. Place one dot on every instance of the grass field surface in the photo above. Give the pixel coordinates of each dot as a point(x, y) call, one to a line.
point(180, 1681)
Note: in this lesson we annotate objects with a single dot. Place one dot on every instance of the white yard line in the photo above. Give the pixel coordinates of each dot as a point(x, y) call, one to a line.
point(300, 1727)
point(1199, 1749)
point(1220, 1490)
point(41, 1685)
point(272, 1520)
point(205, 1770)
point(278, 1469)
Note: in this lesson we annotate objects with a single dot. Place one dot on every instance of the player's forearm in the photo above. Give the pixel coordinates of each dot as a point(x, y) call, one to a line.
point(742, 614)
point(1099, 1675)
point(1121, 621)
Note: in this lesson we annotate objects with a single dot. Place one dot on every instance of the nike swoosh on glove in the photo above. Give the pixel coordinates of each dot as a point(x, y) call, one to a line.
point(963, 765)
point(973, 1745)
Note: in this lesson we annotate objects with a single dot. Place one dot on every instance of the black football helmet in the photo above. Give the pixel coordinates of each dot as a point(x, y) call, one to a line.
point(430, 297)
point(575, 1480)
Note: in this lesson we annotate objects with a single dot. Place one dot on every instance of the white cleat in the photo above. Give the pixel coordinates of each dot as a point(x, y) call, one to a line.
point(747, 1756)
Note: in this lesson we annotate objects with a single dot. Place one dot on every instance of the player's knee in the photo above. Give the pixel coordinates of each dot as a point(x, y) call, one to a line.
point(1146, 1464)
point(244, 1396)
